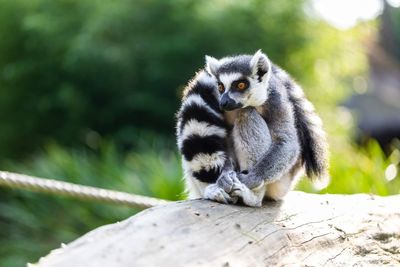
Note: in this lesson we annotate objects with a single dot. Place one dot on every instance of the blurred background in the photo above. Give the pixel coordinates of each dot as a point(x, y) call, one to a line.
point(89, 88)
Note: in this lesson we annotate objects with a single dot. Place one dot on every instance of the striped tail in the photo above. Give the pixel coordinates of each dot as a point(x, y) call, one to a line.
point(201, 130)
point(311, 134)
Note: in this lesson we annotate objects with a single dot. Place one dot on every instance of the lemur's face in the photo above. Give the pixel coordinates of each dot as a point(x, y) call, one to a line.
point(242, 80)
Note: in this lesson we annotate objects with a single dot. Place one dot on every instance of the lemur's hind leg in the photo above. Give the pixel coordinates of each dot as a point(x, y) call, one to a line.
point(252, 139)
point(277, 190)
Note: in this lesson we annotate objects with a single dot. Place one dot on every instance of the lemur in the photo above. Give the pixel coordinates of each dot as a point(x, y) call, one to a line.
point(246, 130)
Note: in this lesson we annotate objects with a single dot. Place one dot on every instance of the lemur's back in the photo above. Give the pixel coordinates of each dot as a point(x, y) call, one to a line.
point(312, 137)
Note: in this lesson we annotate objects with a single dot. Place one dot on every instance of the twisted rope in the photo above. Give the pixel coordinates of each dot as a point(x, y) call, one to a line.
point(20, 181)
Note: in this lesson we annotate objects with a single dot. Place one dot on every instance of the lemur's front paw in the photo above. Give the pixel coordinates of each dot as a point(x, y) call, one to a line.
point(238, 188)
point(250, 180)
point(216, 193)
point(250, 198)
point(226, 180)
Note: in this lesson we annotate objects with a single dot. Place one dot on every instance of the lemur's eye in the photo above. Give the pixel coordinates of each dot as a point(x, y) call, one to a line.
point(221, 88)
point(241, 86)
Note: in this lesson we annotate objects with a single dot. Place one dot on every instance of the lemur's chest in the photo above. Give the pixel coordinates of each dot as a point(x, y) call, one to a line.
point(231, 116)
point(249, 137)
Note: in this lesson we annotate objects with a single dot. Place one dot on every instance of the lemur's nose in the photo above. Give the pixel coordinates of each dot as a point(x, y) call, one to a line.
point(227, 103)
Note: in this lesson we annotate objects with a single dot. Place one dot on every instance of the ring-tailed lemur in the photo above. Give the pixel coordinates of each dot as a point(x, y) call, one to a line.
point(245, 129)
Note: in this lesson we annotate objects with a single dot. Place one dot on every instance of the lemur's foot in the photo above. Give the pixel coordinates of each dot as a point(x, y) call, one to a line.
point(250, 197)
point(226, 180)
point(218, 194)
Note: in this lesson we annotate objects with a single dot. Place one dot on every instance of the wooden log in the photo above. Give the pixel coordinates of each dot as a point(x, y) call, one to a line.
point(303, 230)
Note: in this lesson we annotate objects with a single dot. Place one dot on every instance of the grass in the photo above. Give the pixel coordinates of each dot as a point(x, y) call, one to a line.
point(360, 171)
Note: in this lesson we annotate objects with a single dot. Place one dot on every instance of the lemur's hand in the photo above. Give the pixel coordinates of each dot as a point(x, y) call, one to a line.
point(226, 180)
point(250, 180)
point(216, 193)
point(251, 197)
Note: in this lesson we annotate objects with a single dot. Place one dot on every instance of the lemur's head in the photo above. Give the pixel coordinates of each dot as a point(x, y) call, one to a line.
point(242, 80)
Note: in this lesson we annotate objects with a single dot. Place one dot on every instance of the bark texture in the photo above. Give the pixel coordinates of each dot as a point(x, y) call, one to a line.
point(303, 230)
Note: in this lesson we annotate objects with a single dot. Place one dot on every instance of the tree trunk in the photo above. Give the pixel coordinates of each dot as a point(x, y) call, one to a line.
point(303, 230)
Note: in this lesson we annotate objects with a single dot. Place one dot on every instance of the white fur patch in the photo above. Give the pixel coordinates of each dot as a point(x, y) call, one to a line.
point(194, 188)
point(205, 161)
point(228, 78)
point(322, 182)
point(282, 75)
point(255, 59)
point(178, 127)
point(297, 92)
point(259, 59)
point(258, 90)
point(258, 94)
point(212, 64)
point(314, 120)
point(200, 128)
point(204, 78)
point(307, 106)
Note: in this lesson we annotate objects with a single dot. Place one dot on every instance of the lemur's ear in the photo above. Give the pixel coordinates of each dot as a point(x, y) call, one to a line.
point(260, 64)
point(212, 65)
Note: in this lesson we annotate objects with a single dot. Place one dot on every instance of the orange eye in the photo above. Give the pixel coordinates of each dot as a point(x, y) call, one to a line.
point(241, 86)
point(221, 88)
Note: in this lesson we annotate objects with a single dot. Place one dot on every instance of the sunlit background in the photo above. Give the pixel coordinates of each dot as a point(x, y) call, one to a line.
point(89, 88)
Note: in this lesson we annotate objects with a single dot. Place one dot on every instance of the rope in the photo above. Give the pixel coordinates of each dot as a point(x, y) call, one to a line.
point(20, 181)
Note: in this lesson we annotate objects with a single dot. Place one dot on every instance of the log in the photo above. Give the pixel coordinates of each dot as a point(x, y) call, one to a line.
point(303, 230)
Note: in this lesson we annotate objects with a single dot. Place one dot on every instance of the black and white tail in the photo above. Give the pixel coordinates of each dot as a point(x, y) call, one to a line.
point(314, 147)
point(201, 130)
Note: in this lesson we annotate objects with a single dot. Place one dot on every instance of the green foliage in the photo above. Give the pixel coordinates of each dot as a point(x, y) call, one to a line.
point(392, 38)
point(70, 67)
point(360, 171)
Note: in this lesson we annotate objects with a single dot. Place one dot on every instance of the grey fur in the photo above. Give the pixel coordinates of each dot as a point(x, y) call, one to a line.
point(251, 138)
point(285, 148)
point(274, 136)
point(235, 64)
point(225, 180)
point(295, 129)
point(277, 112)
